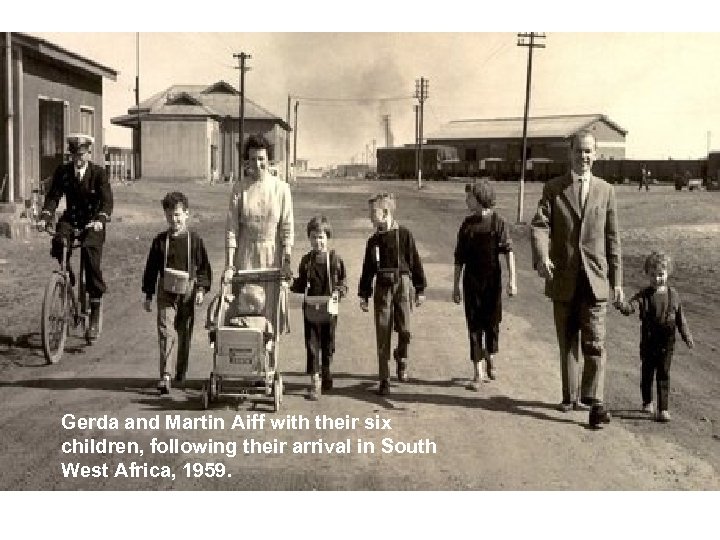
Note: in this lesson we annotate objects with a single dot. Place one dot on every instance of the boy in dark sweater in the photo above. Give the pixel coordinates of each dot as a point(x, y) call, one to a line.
point(391, 257)
point(661, 314)
point(178, 264)
point(314, 280)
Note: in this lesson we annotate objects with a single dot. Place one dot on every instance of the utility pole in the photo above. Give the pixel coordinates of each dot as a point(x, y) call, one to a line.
point(530, 44)
point(10, 115)
point(709, 136)
point(138, 131)
point(416, 108)
point(421, 93)
point(241, 136)
point(297, 102)
point(287, 143)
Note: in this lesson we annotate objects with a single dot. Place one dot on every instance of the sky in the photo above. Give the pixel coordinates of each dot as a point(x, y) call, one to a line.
point(659, 86)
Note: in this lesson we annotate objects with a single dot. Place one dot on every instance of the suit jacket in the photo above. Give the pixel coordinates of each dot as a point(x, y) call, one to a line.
point(89, 199)
point(576, 240)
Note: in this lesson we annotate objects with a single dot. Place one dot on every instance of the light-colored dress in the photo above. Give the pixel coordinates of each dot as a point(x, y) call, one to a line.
point(259, 226)
point(259, 222)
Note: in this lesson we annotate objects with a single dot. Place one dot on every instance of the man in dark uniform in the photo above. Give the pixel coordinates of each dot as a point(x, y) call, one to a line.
point(89, 203)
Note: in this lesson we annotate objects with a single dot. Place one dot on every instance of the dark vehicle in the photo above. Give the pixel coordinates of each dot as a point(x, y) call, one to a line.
point(400, 162)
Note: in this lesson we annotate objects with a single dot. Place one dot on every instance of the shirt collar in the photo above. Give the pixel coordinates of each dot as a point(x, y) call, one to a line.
point(578, 177)
point(81, 171)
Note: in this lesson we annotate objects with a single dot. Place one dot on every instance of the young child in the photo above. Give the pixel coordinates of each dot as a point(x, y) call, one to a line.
point(661, 314)
point(392, 259)
point(182, 250)
point(313, 280)
point(482, 237)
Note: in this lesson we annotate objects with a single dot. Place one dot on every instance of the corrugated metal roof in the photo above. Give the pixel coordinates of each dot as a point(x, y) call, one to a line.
point(214, 98)
point(63, 55)
point(560, 126)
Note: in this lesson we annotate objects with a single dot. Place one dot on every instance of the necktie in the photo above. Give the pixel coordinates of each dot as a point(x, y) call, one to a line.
point(583, 191)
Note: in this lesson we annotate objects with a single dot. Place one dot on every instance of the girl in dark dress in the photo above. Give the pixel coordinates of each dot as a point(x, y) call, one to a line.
point(483, 236)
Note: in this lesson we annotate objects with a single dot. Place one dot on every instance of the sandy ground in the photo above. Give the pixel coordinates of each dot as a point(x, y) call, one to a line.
point(508, 436)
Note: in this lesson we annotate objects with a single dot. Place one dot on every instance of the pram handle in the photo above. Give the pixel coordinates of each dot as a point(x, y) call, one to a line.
point(264, 275)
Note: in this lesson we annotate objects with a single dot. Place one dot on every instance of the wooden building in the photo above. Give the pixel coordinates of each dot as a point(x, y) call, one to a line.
point(192, 131)
point(47, 93)
point(499, 140)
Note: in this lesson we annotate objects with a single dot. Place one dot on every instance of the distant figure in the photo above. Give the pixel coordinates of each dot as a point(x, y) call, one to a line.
point(576, 249)
point(661, 314)
point(644, 178)
point(482, 238)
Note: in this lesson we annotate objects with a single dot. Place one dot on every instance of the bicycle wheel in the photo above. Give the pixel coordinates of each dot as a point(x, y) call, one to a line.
point(54, 321)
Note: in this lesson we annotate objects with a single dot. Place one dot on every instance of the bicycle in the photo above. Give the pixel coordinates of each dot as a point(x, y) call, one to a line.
point(62, 308)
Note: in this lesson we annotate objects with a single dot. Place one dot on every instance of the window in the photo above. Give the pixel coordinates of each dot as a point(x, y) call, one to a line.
point(87, 123)
point(471, 154)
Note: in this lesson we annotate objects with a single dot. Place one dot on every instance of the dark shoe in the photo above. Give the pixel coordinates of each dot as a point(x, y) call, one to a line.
point(180, 381)
point(402, 374)
point(384, 388)
point(565, 406)
point(163, 385)
point(598, 415)
point(327, 380)
point(588, 402)
point(93, 330)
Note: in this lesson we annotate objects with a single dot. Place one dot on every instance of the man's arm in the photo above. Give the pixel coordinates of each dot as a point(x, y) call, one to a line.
point(53, 196)
point(612, 248)
point(540, 228)
point(105, 208)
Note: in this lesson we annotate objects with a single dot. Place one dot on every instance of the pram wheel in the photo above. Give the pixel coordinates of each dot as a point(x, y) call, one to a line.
point(277, 391)
point(214, 389)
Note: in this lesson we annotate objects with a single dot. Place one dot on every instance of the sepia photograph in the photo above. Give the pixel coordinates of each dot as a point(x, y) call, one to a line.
point(366, 262)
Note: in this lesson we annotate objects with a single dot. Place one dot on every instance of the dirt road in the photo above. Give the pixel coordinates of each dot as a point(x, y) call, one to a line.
point(508, 436)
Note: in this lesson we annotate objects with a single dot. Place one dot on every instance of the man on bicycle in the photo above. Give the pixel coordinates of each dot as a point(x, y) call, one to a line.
point(89, 204)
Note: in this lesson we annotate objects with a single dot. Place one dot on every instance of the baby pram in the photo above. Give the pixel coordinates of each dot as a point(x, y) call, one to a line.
point(245, 359)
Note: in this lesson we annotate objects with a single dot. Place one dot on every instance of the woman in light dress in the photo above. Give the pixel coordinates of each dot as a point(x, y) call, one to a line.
point(259, 225)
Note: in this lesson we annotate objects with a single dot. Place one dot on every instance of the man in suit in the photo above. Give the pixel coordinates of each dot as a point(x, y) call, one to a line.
point(89, 203)
point(576, 249)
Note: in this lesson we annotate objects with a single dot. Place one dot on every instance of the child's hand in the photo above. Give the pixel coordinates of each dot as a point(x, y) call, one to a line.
point(691, 343)
point(364, 305)
point(419, 300)
point(147, 305)
point(199, 297)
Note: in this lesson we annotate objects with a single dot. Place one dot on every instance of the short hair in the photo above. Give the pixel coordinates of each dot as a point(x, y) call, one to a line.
point(319, 224)
point(581, 135)
point(658, 259)
point(172, 199)
point(258, 142)
point(253, 293)
point(383, 200)
point(483, 192)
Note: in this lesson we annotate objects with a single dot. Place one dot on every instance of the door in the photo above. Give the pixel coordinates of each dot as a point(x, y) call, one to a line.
point(52, 137)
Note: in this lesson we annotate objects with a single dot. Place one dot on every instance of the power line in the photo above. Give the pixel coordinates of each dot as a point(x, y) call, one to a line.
point(363, 99)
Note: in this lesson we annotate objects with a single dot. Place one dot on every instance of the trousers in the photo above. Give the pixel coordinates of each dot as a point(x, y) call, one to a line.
point(175, 320)
point(391, 303)
point(580, 326)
